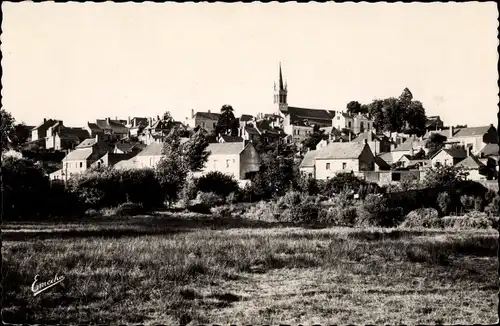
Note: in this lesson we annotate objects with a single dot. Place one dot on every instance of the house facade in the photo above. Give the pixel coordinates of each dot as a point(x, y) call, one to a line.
point(343, 158)
point(60, 137)
point(235, 159)
point(206, 120)
point(475, 168)
point(378, 143)
point(40, 131)
point(84, 155)
point(448, 157)
point(307, 166)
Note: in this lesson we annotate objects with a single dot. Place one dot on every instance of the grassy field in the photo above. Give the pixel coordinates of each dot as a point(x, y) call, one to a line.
point(166, 270)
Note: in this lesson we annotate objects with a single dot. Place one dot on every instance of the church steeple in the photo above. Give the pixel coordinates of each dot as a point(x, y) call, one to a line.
point(281, 93)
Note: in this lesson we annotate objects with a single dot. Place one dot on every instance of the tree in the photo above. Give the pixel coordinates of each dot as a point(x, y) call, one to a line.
point(313, 139)
point(195, 151)
point(415, 118)
point(375, 109)
point(20, 134)
point(172, 170)
point(435, 143)
point(227, 121)
point(447, 177)
point(353, 107)
point(7, 127)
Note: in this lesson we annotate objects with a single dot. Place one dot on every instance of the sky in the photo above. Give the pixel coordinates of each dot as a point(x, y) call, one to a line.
point(77, 62)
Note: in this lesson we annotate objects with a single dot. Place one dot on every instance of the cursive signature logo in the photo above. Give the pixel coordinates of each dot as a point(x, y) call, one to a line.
point(38, 288)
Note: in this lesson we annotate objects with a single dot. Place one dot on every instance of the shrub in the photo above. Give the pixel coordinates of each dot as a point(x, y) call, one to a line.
point(339, 216)
point(233, 197)
point(308, 185)
point(290, 199)
point(424, 218)
point(221, 212)
point(444, 202)
point(467, 222)
point(210, 199)
point(303, 212)
point(129, 209)
point(342, 182)
point(493, 208)
point(189, 190)
point(467, 202)
point(376, 211)
point(479, 204)
point(91, 212)
point(263, 210)
point(218, 183)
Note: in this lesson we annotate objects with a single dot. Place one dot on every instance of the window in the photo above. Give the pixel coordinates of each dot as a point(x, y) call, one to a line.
point(203, 124)
point(344, 166)
point(298, 132)
point(81, 164)
point(361, 126)
point(349, 124)
point(367, 126)
point(67, 165)
point(328, 166)
point(338, 117)
point(227, 163)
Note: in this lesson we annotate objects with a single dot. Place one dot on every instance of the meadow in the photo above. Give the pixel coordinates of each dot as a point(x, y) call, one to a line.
point(173, 268)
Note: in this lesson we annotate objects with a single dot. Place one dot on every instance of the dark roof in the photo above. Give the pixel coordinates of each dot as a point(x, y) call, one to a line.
point(252, 131)
point(453, 152)
point(470, 162)
point(93, 126)
point(246, 117)
point(124, 147)
point(341, 151)
point(387, 157)
point(77, 134)
point(45, 124)
point(364, 136)
point(316, 115)
point(381, 163)
point(208, 115)
point(489, 149)
point(115, 125)
point(89, 142)
point(232, 139)
point(409, 144)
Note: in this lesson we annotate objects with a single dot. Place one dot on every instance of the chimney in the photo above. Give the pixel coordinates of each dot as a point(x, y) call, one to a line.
point(44, 120)
point(108, 120)
point(192, 113)
point(128, 120)
point(150, 121)
point(208, 111)
point(158, 117)
point(469, 151)
point(451, 132)
point(350, 137)
point(116, 118)
point(370, 136)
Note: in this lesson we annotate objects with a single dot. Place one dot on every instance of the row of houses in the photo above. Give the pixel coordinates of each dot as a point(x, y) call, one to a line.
point(375, 158)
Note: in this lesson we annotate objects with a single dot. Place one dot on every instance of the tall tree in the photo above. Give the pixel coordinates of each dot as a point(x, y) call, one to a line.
point(375, 109)
point(195, 151)
point(227, 124)
point(353, 107)
point(7, 127)
point(435, 143)
point(415, 118)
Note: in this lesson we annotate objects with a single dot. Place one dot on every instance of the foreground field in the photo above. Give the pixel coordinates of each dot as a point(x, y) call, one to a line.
point(167, 270)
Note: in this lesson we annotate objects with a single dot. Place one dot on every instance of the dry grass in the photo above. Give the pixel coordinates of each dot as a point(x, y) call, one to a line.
point(166, 270)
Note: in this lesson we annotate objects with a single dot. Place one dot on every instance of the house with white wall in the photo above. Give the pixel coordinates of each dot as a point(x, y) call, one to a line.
point(448, 156)
point(235, 159)
point(206, 120)
point(343, 158)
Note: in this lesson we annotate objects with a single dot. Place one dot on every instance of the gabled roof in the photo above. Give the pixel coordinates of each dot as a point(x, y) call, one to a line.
point(89, 142)
point(297, 114)
point(409, 144)
point(364, 136)
point(79, 154)
point(231, 139)
point(77, 134)
point(115, 125)
point(252, 131)
point(489, 149)
point(158, 124)
point(341, 151)
point(207, 115)
point(472, 131)
point(470, 162)
point(93, 126)
point(246, 117)
point(453, 152)
point(124, 147)
point(387, 157)
point(445, 132)
point(226, 148)
point(309, 159)
point(382, 164)
point(153, 149)
point(45, 124)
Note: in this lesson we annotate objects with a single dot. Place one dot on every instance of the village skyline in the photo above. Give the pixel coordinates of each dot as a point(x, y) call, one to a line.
point(84, 62)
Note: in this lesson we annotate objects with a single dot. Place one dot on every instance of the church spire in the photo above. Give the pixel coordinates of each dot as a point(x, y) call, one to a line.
point(281, 80)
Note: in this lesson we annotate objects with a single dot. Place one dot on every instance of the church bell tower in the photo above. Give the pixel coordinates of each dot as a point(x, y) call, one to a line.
point(280, 94)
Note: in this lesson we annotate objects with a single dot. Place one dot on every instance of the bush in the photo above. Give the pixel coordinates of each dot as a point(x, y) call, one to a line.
point(376, 211)
point(189, 190)
point(342, 182)
point(303, 212)
point(263, 210)
point(210, 199)
point(493, 208)
point(290, 199)
point(129, 209)
point(479, 204)
point(467, 222)
point(218, 183)
point(110, 188)
point(233, 198)
point(221, 212)
point(467, 202)
point(338, 216)
point(444, 202)
point(423, 218)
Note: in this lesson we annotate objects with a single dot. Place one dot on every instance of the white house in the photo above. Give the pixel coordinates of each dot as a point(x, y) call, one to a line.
point(343, 157)
point(235, 159)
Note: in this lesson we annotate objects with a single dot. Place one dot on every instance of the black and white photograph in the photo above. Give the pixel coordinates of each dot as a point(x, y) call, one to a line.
point(250, 163)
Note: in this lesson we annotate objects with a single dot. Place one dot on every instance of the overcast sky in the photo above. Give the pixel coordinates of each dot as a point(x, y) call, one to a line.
point(78, 62)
